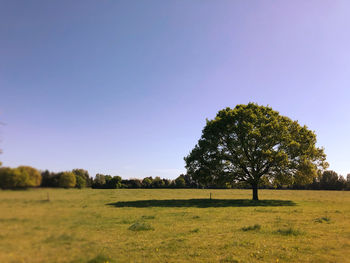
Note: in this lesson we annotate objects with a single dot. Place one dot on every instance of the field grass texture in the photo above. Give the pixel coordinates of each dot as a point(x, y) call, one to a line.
point(174, 225)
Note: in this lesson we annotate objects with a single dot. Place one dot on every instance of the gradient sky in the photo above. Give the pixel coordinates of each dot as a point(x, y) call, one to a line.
point(124, 87)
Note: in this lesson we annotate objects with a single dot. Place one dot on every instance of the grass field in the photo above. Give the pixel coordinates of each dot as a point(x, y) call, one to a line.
point(122, 226)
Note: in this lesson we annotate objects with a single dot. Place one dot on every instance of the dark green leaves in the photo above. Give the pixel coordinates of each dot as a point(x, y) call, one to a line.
point(251, 141)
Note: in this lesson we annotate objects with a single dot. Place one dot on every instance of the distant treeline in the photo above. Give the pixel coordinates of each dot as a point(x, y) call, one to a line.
point(26, 177)
point(328, 180)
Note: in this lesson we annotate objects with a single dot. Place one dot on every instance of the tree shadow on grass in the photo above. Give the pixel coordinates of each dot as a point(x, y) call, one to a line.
point(202, 203)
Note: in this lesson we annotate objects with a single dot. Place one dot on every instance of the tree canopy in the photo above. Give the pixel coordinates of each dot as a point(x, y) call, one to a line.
point(67, 180)
point(20, 177)
point(251, 142)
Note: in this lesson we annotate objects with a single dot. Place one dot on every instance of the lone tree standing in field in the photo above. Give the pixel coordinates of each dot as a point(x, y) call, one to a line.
point(250, 142)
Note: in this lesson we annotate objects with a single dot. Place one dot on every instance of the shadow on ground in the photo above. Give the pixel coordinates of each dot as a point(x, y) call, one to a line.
point(202, 203)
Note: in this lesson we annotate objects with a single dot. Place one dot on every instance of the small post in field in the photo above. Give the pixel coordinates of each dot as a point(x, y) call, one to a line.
point(48, 197)
point(210, 196)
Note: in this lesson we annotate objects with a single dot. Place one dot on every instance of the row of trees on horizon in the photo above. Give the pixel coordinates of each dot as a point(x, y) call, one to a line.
point(24, 177)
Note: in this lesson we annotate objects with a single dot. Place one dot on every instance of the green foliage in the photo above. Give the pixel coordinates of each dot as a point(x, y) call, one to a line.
point(249, 142)
point(114, 182)
point(147, 182)
point(67, 180)
point(180, 182)
point(328, 180)
point(107, 182)
point(11, 178)
point(158, 183)
point(21, 177)
point(50, 179)
point(99, 181)
point(84, 176)
point(81, 182)
point(131, 183)
point(331, 181)
point(33, 175)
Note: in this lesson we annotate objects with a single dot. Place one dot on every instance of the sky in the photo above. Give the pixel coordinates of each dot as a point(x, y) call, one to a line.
point(125, 87)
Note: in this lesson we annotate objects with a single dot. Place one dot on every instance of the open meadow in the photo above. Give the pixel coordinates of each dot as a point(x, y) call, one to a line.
point(59, 225)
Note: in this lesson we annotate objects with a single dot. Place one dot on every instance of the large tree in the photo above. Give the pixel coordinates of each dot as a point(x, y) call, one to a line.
point(251, 142)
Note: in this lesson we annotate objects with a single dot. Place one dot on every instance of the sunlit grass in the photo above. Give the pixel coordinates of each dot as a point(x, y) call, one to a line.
point(252, 228)
point(181, 226)
point(140, 226)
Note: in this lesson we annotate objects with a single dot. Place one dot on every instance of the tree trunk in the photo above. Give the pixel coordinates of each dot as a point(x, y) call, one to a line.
point(255, 192)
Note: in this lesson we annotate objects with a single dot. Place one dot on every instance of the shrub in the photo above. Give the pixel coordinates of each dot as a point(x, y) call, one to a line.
point(67, 180)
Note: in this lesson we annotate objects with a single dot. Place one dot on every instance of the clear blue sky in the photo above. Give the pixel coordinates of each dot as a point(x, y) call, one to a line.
point(124, 87)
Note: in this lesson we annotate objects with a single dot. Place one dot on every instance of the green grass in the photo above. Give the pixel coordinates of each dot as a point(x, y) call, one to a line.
point(323, 219)
point(289, 232)
point(184, 226)
point(252, 228)
point(140, 226)
point(101, 259)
